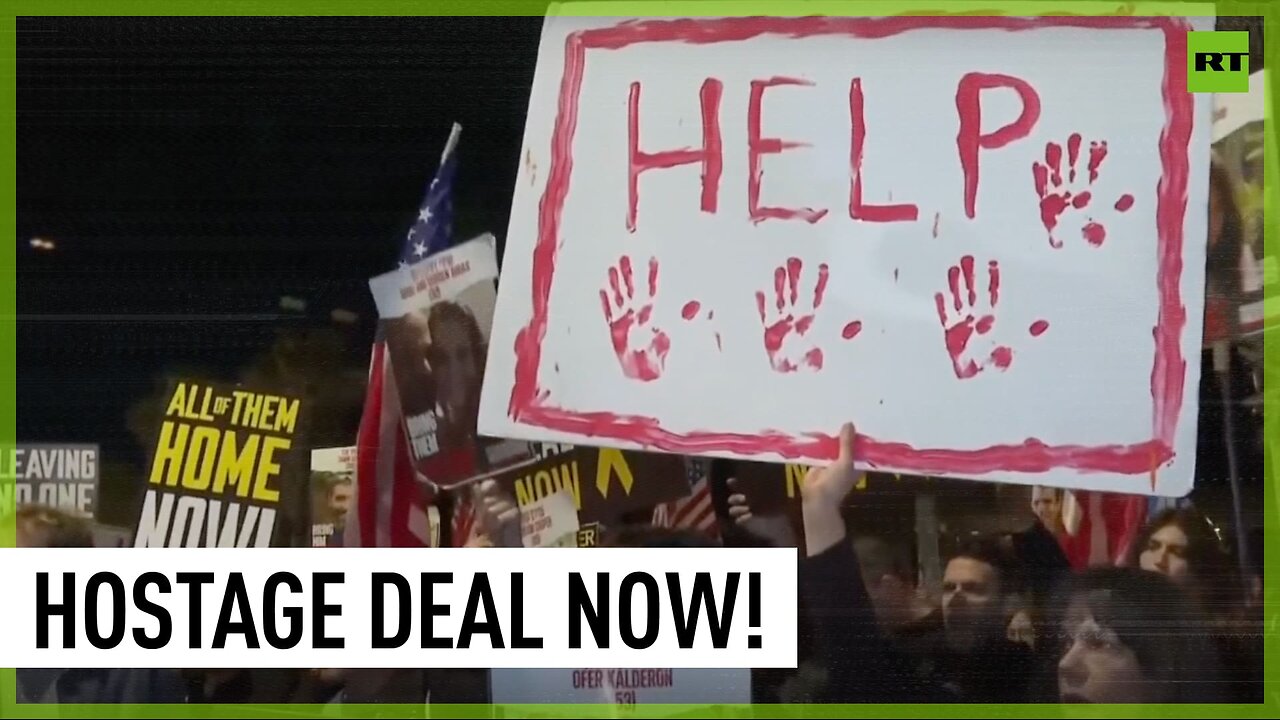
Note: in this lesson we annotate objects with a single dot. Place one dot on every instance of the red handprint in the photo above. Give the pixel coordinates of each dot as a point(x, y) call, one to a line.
point(959, 326)
point(784, 338)
point(640, 347)
point(1056, 196)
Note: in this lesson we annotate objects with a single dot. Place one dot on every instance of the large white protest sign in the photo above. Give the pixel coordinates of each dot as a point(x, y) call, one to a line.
point(982, 239)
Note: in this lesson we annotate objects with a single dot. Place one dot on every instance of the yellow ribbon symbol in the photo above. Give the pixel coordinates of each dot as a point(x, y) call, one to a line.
point(612, 461)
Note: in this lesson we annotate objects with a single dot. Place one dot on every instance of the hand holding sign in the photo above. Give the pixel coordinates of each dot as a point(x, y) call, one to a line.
point(823, 491)
point(497, 514)
point(775, 528)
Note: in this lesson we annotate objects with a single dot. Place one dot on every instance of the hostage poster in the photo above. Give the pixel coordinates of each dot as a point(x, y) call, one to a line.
point(333, 472)
point(435, 316)
point(228, 469)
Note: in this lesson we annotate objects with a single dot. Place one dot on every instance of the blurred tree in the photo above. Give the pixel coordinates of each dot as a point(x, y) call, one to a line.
point(144, 415)
point(315, 363)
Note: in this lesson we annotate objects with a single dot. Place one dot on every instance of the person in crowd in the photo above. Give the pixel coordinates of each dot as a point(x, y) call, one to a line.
point(860, 663)
point(1133, 636)
point(912, 622)
point(980, 663)
point(40, 526)
point(972, 660)
point(330, 501)
point(340, 499)
point(1041, 560)
point(1039, 547)
point(1046, 504)
point(1181, 545)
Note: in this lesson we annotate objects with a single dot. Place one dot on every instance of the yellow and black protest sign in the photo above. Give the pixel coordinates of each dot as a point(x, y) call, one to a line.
point(771, 485)
point(227, 470)
point(605, 483)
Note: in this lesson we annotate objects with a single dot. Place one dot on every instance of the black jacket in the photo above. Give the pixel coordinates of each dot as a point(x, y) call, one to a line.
point(863, 665)
point(866, 666)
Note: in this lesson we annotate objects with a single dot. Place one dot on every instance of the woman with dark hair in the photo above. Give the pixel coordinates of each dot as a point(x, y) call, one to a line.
point(1182, 546)
point(1132, 636)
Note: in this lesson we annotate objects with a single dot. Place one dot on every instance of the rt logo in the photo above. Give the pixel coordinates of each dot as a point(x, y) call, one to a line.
point(1218, 62)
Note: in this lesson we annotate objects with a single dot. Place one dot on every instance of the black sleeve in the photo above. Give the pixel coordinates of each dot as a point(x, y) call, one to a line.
point(861, 663)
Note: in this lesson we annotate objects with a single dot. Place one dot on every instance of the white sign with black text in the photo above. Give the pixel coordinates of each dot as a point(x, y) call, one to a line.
point(502, 608)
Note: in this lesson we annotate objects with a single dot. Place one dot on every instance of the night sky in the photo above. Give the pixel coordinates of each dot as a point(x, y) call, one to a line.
point(194, 170)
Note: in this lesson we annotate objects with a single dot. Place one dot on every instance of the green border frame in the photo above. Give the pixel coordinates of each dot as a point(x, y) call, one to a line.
point(1270, 11)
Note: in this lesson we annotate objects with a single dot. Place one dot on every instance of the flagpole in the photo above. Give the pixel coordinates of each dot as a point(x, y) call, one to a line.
point(454, 135)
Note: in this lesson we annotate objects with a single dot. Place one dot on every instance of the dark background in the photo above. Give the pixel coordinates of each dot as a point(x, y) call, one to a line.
point(192, 171)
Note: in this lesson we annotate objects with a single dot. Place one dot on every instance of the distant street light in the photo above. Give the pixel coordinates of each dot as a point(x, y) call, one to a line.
point(43, 244)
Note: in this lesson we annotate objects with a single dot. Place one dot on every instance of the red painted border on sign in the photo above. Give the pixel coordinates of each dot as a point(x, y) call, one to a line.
point(529, 402)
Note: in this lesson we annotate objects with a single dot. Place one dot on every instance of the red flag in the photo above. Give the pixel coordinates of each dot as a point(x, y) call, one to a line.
point(1101, 527)
point(390, 508)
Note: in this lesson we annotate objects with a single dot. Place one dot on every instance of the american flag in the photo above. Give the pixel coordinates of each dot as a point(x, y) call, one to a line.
point(432, 232)
point(1101, 527)
point(390, 507)
point(695, 511)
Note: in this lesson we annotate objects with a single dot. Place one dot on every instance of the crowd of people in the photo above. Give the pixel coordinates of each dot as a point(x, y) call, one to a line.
point(1014, 623)
point(1172, 625)
point(1017, 620)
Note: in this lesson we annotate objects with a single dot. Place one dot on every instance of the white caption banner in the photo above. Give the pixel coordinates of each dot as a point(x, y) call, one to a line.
point(124, 627)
